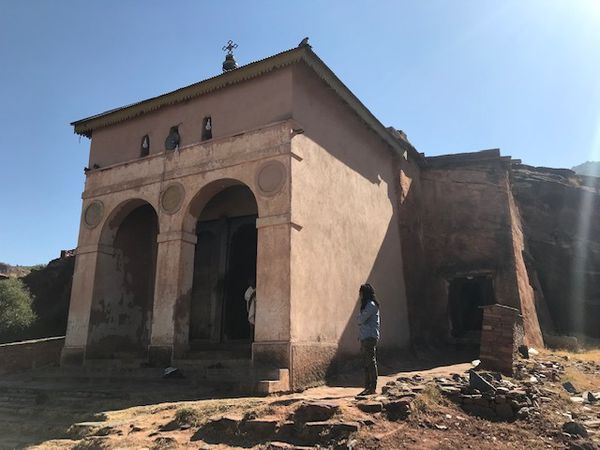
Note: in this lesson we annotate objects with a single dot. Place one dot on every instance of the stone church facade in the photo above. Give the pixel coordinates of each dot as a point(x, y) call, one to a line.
point(276, 172)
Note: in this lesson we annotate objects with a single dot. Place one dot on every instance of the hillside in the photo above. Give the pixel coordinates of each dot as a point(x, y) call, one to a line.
point(590, 168)
point(17, 271)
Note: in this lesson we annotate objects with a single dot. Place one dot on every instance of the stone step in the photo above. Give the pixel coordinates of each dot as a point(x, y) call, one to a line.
point(211, 363)
point(271, 385)
point(124, 363)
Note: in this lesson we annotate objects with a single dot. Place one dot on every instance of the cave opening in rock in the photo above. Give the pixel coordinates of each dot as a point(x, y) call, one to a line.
point(466, 296)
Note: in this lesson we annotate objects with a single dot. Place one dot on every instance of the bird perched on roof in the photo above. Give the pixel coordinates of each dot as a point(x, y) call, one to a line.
point(304, 43)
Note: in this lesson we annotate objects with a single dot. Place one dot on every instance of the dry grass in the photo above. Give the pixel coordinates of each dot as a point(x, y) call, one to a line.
point(584, 355)
point(188, 416)
point(429, 399)
point(582, 381)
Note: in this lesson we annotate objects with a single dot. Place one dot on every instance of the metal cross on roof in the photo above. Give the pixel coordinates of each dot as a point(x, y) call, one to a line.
point(229, 47)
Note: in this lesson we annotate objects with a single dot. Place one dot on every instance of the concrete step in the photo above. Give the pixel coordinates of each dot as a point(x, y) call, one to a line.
point(281, 383)
point(211, 363)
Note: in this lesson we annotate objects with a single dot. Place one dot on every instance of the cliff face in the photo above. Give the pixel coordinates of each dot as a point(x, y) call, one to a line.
point(463, 246)
point(51, 289)
point(560, 213)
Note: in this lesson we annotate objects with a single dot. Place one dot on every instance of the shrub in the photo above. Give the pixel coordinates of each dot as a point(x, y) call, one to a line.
point(16, 314)
point(187, 416)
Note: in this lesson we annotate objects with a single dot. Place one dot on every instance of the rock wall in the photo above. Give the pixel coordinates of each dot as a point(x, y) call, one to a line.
point(51, 288)
point(459, 221)
point(560, 213)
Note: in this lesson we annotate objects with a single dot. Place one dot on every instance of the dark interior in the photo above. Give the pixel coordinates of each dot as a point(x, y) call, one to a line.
point(466, 296)
point(225, 260)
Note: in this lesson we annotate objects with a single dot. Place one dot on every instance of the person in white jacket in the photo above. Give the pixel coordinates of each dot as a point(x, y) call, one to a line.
point(250, 297)
point(369, 330)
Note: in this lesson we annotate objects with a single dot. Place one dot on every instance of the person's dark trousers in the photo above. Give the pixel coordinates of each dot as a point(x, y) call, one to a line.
point(369, 353)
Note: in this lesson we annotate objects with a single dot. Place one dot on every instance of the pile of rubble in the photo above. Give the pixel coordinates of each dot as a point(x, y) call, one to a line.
point(396, 398)
point(489, 395)
point(589, 367)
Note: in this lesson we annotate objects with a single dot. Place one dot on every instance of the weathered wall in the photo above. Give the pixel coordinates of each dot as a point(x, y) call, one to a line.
point(201, 171)
point(345, 210)
point(238, 108)
point(24, 355)
point(121, 314)
point(470, 227)
point(466, 230)
point(561, 220)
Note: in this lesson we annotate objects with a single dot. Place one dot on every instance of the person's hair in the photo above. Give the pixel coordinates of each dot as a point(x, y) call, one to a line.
point(368, 295)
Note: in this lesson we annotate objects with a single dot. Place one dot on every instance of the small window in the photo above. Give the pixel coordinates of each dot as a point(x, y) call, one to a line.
point(207, 129)
point(172, 141)
point(145, 146)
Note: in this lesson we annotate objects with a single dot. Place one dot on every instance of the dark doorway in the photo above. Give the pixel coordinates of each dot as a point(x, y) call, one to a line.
point(225, 260)
point(466, 295)
point(121, 314)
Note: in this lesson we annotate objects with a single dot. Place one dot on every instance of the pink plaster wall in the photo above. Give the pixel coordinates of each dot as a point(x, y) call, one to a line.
point(344, 198)
point(240, 107)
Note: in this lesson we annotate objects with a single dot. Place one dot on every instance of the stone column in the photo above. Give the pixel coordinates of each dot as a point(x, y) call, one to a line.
point(271, 344)
point(501, 336)
point(88, 260)
point(172, 293)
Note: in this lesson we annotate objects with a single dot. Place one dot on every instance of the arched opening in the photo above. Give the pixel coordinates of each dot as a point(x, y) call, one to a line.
point(224, 268)
point(121, 313)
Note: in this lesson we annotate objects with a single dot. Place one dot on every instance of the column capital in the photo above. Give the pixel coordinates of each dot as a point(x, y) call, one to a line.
point(184, 236)
point(277, 219)
point(95, 248)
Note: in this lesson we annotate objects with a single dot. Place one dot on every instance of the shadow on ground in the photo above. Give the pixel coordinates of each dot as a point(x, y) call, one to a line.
point(34, 411)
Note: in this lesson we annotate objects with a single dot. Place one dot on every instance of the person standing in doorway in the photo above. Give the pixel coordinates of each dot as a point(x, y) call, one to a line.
point(369, 331)
point(250, 297)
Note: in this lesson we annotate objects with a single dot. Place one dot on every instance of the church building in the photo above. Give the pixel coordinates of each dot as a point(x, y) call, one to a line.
point(274, 174)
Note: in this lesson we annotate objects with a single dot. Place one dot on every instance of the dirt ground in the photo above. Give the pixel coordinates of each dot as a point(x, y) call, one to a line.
point(434, 422)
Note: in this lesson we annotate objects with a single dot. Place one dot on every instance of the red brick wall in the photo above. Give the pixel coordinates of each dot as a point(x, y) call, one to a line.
point(17, 356)
point(501, 335)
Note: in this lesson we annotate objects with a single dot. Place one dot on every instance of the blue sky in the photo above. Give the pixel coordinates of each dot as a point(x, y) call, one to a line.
point(455, 75)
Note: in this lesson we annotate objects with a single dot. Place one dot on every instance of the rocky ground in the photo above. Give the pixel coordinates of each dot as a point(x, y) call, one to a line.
point(551, 402)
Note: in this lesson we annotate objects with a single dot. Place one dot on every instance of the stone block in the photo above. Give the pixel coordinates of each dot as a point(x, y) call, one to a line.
point(397, 409)
point(329, 430)
point(227, 425)
point(258, 429)
point(315, 411)
point(504, 411)
point(370, 407)
point(575, 428)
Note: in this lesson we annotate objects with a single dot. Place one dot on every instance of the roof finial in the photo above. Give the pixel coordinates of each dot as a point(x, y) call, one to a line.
point(229, 63)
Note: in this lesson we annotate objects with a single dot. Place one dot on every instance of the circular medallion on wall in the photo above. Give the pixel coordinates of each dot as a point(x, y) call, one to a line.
point(172, 198)
point(271, 177)
point(93, 214)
